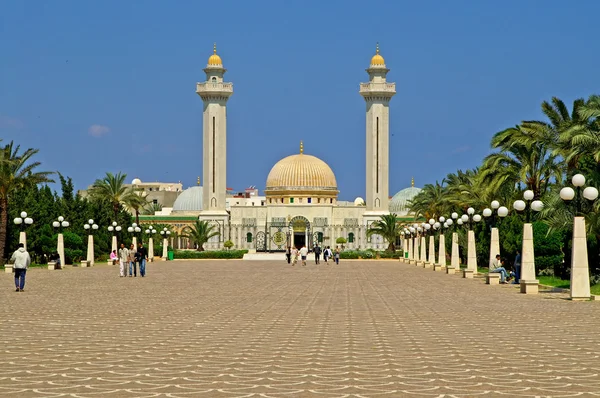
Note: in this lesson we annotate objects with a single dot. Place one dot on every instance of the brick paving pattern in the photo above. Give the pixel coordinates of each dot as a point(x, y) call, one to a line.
point(254, 329)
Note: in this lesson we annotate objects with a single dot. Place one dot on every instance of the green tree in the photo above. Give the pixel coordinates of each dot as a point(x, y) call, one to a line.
point(17, 172)
point(136, 200)
point(112, 188)
point(388, 228)
point(228, 244)
point(200, 233)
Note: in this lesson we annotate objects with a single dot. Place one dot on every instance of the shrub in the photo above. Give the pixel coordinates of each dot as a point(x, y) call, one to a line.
point(216, 254)
point(368, 254)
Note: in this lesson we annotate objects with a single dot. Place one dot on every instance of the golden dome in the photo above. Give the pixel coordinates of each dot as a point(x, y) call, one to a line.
point(215, 60)
point(377, 59)
point(301, 173)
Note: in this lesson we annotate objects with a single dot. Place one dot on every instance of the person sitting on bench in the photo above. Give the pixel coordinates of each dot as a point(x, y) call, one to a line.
point(496, 267)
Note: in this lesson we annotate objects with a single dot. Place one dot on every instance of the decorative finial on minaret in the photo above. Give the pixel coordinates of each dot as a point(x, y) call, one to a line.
point(198, 181)
point(377, 49)
point(215, 48)
point(301, 147)
point(412, 181)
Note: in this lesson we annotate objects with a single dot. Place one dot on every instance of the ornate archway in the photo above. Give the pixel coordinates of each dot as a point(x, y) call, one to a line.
point(300, 234)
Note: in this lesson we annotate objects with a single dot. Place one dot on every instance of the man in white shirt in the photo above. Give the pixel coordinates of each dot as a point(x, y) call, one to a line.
point(303, 254)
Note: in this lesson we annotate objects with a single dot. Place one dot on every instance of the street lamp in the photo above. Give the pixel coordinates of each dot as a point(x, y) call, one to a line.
point(495, 235)
point(150, 231)
point(134, 229)
point(580, 277)
point(114, 228)
point(165, 234)
point(441, 224)
point(528, 281)
point(60, 247)
point(23, 221)
point(469, 218)
point(91, 227)
point(411, 244)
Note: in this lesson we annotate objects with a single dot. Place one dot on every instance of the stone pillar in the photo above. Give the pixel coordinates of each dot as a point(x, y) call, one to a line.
point(494, 245)
point(431, 257)
point(151, 248)
point(529, 285)
point(454, 259)
point(114, 243)
point(90, 250)
point(442, 251)
point(580, 273)
point(423, 257)
point(23, 239)
point(471, 252)
point(409, 249)
point(60, 249)
point(165, 245)
point(134, 242)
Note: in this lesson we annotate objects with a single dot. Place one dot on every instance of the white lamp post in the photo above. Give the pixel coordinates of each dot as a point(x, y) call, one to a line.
point(114, 228)
point(411, 245)
point(469, 218)
point(441, 263)
point(90, 227)
point(528, 281)
point(134, 229)
point(495, 235)
point(165, 234)
point(60, 247)
point(428, 230)
point(580, 277)
point(150, 232)
point(422, 244)
point(23, 221)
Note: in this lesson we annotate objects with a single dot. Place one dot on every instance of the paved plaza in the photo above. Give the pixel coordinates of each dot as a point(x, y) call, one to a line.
point(266, 329)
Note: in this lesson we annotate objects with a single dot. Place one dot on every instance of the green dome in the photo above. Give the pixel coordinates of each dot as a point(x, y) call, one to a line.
point(399, 201)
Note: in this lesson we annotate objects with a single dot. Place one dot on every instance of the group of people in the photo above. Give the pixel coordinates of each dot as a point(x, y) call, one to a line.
point(292, 254)
point(499, 266)
point(131, 257)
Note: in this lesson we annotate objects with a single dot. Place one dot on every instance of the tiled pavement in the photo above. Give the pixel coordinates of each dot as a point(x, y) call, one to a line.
point(252, 329)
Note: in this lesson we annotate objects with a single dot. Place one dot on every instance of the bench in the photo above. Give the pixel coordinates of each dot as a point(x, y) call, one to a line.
point(468, 273)
point(52, 265)
point(439, 267)
point(492, 278)
point(8, 268)
point(85, 263)
point(111, 262)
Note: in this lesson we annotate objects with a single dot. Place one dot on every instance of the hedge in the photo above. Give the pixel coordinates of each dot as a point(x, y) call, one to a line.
point(192, 254)
point(369, 254)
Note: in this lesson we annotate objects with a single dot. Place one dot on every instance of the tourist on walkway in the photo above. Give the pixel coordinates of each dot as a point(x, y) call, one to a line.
point(21, 261)
point(294, 256)
point(336, 255)
point(131, 261)
point(143, 256)
point(303, 254)
point(317, 251)
point(123, 260)
point(327, 254)
point(288, 254)
point(517, 267)
point(496, 267)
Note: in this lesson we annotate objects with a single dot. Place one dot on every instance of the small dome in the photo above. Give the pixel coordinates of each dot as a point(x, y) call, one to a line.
point(377, 59)
point(214, 59)
point(189, 200)
point(359, 201)
point(136, 181)
point(399, 202)
point(301, 172)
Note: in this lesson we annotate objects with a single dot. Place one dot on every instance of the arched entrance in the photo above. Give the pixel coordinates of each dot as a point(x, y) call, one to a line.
point(300, 232)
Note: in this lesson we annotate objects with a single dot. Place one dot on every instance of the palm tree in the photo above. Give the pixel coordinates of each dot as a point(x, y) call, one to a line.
point(112, 188)
point(200, 233)
point(584, 137)
point(136, 200)
point(16, 172)
point(429, 203)
point(388, 228)
point(151, 208)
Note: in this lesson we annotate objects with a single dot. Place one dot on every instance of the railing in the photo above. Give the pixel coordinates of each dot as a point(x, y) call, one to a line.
point(377, 86)
point(214, 86)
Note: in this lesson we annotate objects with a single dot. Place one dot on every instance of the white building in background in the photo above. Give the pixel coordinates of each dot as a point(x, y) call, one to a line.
point(300, 205)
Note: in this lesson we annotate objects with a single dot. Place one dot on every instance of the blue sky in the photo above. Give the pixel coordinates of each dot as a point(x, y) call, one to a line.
point(103, 86)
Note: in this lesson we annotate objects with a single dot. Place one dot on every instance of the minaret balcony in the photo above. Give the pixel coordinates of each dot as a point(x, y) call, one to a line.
point(377, 89)
point(214, 88)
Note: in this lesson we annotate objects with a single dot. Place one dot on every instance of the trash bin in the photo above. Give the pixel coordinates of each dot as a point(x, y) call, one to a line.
point(405, 254)
point(170, 255)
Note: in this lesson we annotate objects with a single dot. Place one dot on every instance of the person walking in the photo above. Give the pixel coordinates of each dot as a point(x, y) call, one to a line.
point(143, 256)
point(294, 256)
point(131, 261)
point(303, 254)
point(336, 255)
point(288, 254)
point(326, 254)
point(317, 251)
point(123, 260)
point(21, 262)
point(517, 267)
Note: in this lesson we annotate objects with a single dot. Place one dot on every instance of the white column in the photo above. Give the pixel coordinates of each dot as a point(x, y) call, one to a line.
point(114, 243)
point(494, 245)
point(580, 273)
point(442, 251)
point(529, 283)
point(455, 259)
point(431, 257)
point(165, 245)
point(150, 248)
point(471, 252)
point(409, 248)
point(134, 241)
point(60, 249)
point(424, 251)
point(23, 239)
point(90, 250)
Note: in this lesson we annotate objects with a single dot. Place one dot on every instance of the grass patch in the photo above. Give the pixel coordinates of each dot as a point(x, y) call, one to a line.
point(554, 281)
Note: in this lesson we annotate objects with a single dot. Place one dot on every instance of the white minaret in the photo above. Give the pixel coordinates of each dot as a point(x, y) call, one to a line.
point(377, 93)
point(214, 93)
